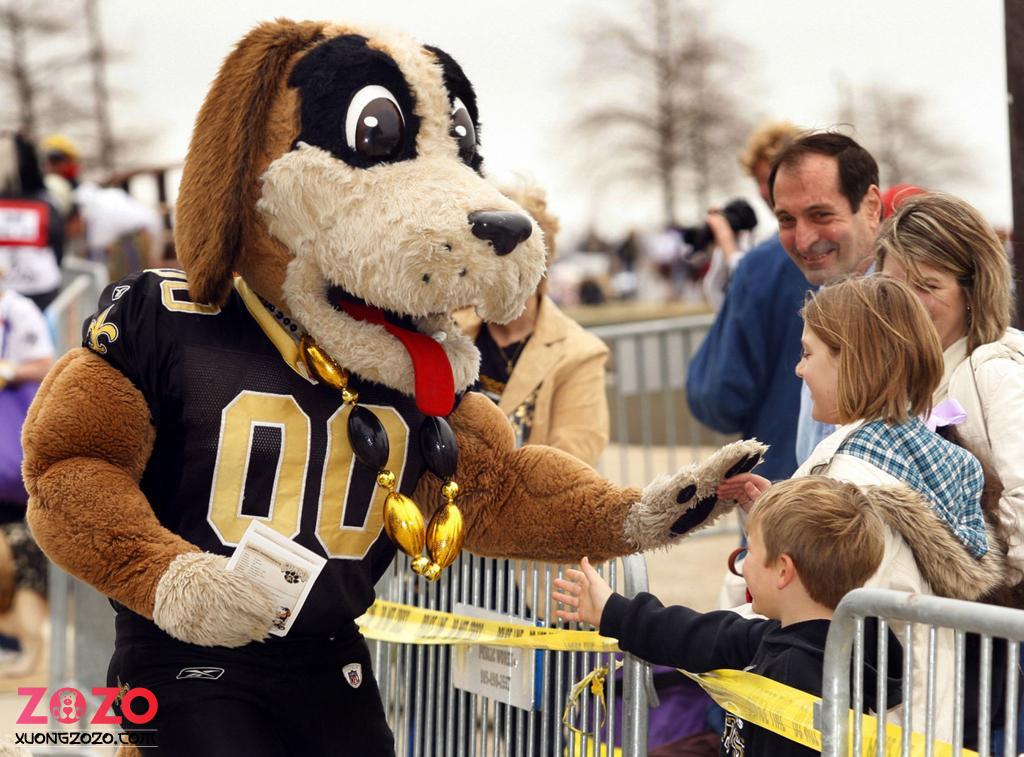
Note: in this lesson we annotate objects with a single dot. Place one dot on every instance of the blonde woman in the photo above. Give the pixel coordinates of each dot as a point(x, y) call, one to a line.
point(957, 267)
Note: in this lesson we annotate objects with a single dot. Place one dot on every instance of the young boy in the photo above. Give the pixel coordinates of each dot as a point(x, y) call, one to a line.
point(810, 541)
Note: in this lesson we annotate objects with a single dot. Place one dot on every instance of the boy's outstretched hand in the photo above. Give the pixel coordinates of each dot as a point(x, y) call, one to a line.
point(744, 488)
point(583, 590)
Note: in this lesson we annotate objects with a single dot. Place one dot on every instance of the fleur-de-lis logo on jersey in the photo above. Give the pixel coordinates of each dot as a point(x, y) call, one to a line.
point(99, 327)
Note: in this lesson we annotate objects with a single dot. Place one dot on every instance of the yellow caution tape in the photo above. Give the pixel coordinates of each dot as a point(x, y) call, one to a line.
point(791, 712)
point(404, 624)
point(772, 705)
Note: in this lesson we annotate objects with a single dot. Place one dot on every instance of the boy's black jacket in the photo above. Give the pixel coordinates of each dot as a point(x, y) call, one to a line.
point(699, 642)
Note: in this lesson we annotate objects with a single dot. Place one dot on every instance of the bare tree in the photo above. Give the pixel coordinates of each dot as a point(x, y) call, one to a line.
point(662, 101)
point(54, 65)
point(34, 64)
point(897, 128)
point(98, 56)
point(1013, 12)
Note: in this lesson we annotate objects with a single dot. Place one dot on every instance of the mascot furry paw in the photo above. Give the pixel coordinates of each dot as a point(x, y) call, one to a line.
point(336, 171)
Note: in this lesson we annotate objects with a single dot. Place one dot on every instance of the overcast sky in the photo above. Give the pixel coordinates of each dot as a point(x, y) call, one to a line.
point(520, 56)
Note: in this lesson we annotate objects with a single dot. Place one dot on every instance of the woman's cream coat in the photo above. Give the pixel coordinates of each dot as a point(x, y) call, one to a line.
point(989, 384)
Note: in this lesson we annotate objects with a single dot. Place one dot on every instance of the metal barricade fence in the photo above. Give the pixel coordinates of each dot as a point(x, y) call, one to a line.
point(846, 638)
point(430, 717)
point(652, 433)
point(652, 429)
point(83, 282)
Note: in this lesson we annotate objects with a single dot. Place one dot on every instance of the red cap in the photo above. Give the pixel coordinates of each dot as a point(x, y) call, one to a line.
point(895, 195)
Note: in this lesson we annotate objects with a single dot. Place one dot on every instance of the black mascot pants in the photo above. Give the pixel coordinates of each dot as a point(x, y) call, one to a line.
point(285, 697)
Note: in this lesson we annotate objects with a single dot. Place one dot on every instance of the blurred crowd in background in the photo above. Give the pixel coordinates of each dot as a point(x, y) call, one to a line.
point(676, 264)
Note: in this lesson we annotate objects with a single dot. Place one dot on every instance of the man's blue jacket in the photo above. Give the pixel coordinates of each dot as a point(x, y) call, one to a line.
point(742, 378)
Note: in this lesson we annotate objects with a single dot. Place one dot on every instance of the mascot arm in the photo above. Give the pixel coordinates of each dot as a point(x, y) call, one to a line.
point(87, 440)
point(540, 503)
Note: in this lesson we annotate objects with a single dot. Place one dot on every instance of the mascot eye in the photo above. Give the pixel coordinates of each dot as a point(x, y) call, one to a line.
point(374, 124)
point(463, 131)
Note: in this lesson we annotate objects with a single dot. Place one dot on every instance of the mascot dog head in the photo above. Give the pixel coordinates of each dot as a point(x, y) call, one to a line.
point(331, 165)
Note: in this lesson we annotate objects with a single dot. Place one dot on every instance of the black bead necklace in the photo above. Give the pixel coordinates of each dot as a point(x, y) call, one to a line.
point(403, 519)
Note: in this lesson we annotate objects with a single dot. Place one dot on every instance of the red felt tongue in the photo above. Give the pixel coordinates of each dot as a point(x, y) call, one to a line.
point(435, 385)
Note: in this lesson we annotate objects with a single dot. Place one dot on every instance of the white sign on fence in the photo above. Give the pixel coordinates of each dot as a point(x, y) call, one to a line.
point(503, 674)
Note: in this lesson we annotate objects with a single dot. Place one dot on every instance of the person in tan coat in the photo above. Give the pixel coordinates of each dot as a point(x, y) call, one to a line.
point(545, 372)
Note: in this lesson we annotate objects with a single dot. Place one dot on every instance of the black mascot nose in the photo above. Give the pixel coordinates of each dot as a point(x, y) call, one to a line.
point(503, 230)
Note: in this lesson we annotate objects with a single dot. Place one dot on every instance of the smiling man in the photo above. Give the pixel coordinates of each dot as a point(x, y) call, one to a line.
point(824, 190)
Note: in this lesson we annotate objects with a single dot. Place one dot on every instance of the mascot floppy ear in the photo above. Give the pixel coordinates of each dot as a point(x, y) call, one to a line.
point(217, 199)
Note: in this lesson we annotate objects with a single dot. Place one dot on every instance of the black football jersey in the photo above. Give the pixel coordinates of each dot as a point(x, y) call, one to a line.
point(242, 433)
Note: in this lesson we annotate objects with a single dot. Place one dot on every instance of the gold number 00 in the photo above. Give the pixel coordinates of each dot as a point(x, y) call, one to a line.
point(250, 410)
point(175, 281)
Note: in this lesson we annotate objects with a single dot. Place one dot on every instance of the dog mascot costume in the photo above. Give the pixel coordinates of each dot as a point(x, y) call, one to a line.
point(303, 369)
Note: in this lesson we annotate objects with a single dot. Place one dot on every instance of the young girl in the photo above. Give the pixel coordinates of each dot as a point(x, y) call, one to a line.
point(872, 360)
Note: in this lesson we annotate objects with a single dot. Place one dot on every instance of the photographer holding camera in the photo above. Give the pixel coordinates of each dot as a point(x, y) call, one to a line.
point(724, 227)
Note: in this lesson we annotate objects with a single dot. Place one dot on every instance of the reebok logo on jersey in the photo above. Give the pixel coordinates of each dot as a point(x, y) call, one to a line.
point(208, 674)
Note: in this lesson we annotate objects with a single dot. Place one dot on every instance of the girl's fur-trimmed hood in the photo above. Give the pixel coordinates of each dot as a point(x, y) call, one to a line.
point(943, 561)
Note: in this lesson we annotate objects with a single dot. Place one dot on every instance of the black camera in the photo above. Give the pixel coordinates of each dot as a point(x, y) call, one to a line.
point(738, 213)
